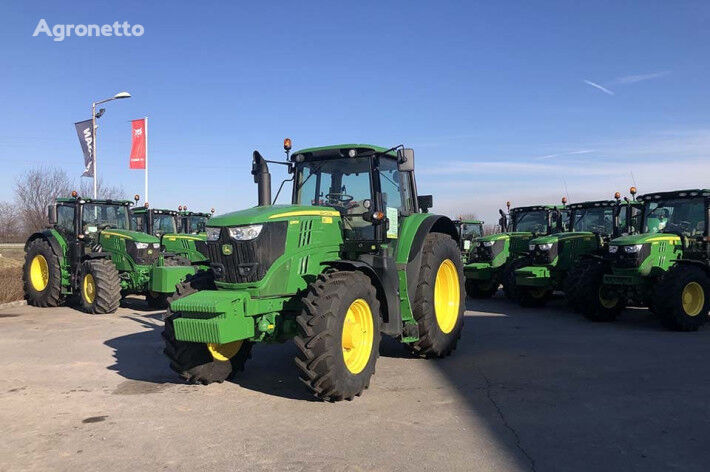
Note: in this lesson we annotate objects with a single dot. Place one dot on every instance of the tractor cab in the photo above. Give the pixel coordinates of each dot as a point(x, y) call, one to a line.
point(468, 230)
point(155, 221)
point(191, 222)
point(539, 219)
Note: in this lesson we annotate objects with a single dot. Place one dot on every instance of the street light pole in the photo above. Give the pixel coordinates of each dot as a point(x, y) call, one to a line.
point(95, 130)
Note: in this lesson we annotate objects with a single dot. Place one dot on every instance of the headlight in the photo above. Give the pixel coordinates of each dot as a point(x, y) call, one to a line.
point(466, 244)
point(141, 245)
point(213, 234)
point(613, 249)
point(633, 249)
point(544, 247)
point(531, 247)
point(156, 245)
point(488, 243)
point(245, 233)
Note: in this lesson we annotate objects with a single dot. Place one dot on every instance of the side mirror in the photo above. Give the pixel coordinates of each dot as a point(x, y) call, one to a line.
point(425, 202)
point(405, 160)
point(52, 215)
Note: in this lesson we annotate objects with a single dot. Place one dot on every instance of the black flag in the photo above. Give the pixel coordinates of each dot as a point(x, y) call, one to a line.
point(85, 131)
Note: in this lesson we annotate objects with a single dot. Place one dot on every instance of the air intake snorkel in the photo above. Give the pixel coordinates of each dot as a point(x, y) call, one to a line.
point(262, 178)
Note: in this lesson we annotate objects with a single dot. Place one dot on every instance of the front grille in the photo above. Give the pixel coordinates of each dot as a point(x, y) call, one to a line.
point(544, 257)
point(487, 253)
point(201, 247)
point(142, 256)
point(249, 260)
point(623, 259)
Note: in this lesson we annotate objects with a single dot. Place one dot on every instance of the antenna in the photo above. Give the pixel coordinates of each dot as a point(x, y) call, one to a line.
point(564, 182)
point(633, 178)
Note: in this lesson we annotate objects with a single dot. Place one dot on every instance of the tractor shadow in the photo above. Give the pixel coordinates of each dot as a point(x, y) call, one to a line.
point(139, 356)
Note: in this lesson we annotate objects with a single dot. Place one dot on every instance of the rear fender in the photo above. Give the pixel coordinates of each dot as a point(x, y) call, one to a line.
point(53, 238)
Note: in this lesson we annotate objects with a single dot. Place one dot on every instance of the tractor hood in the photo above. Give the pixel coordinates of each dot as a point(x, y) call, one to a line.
point(633, 239)
point(262, 214)
point(553, 238)
point(131, 235)
point(499, 236)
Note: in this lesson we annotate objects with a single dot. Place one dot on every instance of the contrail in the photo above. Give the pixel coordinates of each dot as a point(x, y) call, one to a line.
point(597, 86)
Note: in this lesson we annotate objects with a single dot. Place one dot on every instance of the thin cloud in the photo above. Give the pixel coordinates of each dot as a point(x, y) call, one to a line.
point(597, 86)
point(560, 154)
point(632, 79)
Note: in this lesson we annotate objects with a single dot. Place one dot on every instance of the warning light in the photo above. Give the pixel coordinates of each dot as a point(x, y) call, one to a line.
point(617, 195)
point(632, 190)
point(145, 204)
point(179, 207)
point(287, 144)
point(74, 194)
point(564, 200)
point(212, 210)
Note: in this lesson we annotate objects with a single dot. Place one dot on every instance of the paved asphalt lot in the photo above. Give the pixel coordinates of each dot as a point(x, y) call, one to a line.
point(527, 389)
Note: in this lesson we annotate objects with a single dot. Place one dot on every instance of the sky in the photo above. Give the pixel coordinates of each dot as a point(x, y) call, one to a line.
point(519, 101)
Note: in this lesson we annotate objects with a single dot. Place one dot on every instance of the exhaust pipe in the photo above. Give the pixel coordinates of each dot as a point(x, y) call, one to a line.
point(262, 178)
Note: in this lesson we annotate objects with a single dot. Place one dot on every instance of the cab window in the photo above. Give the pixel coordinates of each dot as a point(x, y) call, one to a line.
point(138, 222)
point(65, 218)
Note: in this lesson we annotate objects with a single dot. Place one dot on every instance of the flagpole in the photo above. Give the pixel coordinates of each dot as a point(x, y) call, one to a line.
point(93, 142)
point(146, 159)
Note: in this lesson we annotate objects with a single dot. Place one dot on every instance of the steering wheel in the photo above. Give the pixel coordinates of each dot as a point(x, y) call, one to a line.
point(342, 198)
point(682, 226)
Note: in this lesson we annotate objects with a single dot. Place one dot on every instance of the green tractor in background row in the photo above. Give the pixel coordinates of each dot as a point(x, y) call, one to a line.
point(492, 258)
point(354, 255)
point(666, 267)
point(167, 225)
point(468, 230)
point(89, 251)
point(192, 222)
point(552, 262)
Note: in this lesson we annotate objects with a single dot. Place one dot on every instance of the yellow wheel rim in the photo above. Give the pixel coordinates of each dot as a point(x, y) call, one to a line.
point(608, 303)
point(224, 352)
point(537, 292)
point(447, 296)
point(358, 336)
point(88, 288)
point(693, 299)
point(39, 273)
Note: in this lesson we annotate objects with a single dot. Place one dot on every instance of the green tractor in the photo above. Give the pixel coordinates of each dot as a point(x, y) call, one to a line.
point(355, 255)
point(492, 259)
point(552, 262)
point(88, 250)
point(167, 225)
point(468, 230)
point(667, 266)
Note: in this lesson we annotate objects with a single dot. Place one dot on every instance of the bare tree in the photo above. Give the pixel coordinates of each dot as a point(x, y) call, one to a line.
point(467, 216)
point(108, 192)
point(9, 223)
point(34, 191)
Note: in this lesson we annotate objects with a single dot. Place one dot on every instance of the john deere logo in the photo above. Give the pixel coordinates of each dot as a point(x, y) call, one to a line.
point(227, 249)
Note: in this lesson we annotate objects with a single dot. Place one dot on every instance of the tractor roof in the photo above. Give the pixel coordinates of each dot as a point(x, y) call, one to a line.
point(96, 201)
point(338, 151)
point(194, 213)
point(536, 208)
point(676, 194)
point(592, 204)
point(472, 222)
point(142, 210)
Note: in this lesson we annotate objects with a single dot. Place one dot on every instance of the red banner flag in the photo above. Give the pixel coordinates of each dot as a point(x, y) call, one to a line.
point(139, 136)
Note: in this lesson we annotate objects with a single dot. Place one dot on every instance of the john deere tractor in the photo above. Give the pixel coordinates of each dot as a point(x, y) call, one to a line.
point(469, 230)
point(192, 222)
point(89, 251)
point(355, 255)
point(552, 261)
point(492, 259)
point(667, 266)
point(166, 225)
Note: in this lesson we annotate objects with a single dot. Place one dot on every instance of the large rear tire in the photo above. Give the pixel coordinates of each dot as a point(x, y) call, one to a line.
point(339, 335)
point(439, 302)
point(199, 362)
point(682, 298)
point(42, 275)
point(99, 287)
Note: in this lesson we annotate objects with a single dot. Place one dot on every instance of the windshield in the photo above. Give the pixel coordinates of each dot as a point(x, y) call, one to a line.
point(343, 184)
point(530, 221)
point(196, 224)
point(680, 215)
point(163, 223)
point(471, 230)
point(101, 215)
point(598, 220)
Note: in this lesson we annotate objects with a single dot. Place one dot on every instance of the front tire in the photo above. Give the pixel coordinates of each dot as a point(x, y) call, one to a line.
point(439, 301)
point(476, 289)
point(682, 298)
point(592, 298)
point(533, 297)
point(199, 362)
point(339, 335)
point(510, 288)
point(42, 275)
point(99, 286)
